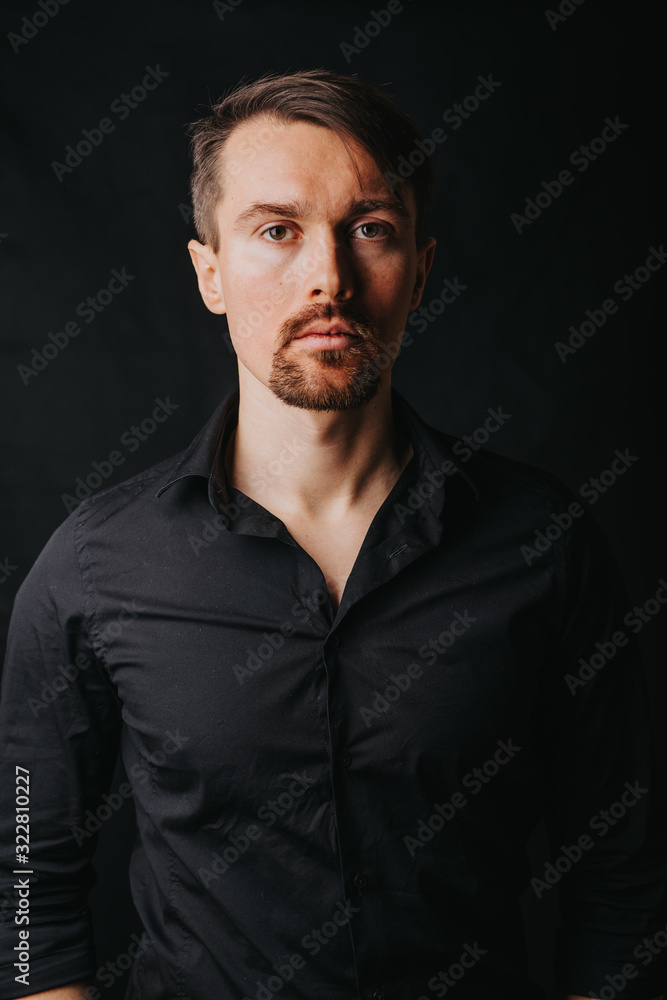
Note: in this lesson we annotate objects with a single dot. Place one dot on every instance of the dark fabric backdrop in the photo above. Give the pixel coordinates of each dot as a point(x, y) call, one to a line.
point(125, 205)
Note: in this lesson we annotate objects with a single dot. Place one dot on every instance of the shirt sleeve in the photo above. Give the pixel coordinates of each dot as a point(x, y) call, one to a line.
point(605, 799)
point(59, 739)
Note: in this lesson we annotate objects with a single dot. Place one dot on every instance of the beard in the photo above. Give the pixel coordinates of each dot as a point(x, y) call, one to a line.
point(328, 379)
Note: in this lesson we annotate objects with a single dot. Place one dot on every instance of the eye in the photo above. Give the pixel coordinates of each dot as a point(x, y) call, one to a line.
point(278, 234)
point(375, 230)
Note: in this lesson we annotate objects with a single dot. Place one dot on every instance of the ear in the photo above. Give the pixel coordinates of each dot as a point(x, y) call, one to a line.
point(205, 264)
point(424, 261)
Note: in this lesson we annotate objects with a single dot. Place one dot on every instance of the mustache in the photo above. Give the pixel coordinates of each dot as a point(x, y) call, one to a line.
point(347, 313)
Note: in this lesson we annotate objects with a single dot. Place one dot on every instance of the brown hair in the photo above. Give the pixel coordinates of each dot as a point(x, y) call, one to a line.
point(348, 106)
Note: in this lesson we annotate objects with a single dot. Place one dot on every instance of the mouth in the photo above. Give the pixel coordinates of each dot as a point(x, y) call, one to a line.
point(333, 336)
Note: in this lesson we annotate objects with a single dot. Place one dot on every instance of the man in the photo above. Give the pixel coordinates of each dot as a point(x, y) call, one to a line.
point(343, 667)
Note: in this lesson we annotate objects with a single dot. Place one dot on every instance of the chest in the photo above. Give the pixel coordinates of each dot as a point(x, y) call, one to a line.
point(224, 634)
point(333, 547)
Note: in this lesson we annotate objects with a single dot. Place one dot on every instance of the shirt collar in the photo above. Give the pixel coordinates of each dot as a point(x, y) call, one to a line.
point(432, 448)
point(200, 457)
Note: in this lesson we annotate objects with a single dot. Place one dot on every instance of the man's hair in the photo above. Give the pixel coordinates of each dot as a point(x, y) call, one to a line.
point(348, 106)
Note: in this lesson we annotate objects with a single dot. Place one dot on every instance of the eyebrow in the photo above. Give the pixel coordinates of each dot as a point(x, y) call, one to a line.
point(297, 210)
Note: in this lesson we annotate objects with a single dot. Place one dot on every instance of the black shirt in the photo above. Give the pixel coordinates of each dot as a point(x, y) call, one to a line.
point(334, 806)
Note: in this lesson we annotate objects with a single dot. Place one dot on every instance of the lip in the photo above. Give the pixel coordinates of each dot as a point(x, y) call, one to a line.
point(327, 330)
point(327, 336)
point(327, 341)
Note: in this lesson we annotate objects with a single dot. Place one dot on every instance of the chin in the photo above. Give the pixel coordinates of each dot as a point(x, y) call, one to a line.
point(348, 396)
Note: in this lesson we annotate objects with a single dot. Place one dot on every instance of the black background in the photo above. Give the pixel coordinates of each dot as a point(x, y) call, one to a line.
point(126, 205)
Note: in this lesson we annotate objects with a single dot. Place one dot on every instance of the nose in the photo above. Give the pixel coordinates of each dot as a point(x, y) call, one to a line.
point(328, 271)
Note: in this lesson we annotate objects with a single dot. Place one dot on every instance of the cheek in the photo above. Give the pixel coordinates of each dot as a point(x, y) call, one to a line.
point(391, 276)
point(258, 302)
point(392, 297)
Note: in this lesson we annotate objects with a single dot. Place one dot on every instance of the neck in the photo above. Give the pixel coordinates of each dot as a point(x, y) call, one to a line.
point(315, 464)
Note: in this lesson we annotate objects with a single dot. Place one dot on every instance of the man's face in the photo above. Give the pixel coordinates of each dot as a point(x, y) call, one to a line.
point(318, 266)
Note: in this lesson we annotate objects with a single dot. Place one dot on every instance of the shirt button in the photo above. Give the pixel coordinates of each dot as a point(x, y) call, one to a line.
point(344, 759)
point(334, 641)
point(360, 880)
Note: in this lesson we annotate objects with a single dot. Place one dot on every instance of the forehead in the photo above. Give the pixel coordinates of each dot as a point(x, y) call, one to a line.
point(268, 160)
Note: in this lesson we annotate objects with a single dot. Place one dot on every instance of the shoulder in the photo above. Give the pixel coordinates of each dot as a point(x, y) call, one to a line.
point(525, 505)
point(494, 478)
point(130, 493)
point(496, 475)
point(123, 511)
